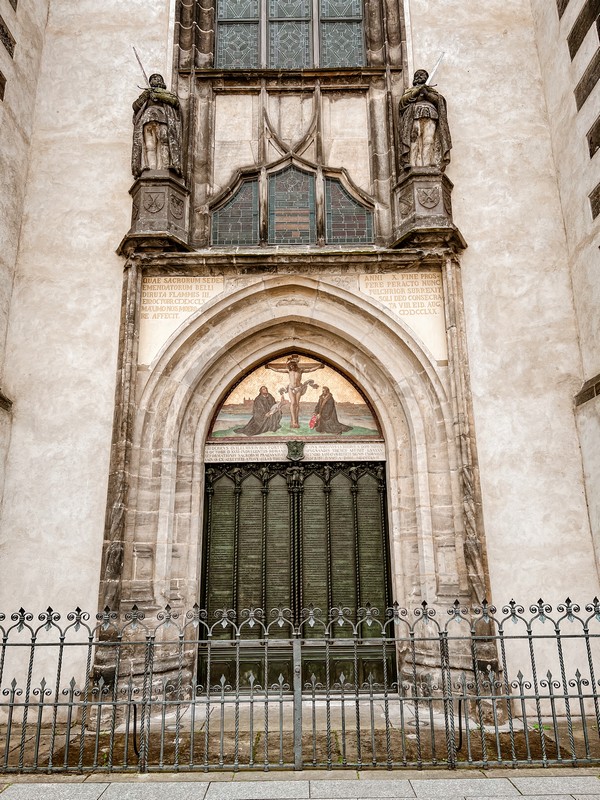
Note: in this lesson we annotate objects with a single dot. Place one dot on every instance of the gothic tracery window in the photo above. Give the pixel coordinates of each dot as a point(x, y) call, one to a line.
point(289, 34)
point(291, 213)
point(236, 223)
point(292, 216)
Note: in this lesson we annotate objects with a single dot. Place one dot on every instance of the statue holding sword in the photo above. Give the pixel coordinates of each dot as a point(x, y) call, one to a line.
point(424, 132)
point(156, 127)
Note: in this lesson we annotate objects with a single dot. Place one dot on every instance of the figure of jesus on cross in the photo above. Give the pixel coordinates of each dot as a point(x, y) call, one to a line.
point(296, 388)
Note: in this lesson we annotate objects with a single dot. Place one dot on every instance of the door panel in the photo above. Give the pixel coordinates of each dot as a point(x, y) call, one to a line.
point(295, 536)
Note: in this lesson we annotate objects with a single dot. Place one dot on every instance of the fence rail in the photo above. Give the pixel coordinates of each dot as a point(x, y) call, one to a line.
point(185, 691)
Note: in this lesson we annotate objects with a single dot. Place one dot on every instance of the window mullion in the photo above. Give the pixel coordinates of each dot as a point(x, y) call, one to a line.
point(316, 35)
point(264, 33)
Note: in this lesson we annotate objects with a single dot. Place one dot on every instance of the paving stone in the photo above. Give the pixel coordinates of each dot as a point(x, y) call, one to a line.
point(332, 789)
point(538, 772)
point(54, 791)
point(406, 773)
point(258, 790)
point(54, 778)
point(464, 787)
point(534, 797)
point(293, 775)
point(569, 784)
point(158, 777)
point(156, 791)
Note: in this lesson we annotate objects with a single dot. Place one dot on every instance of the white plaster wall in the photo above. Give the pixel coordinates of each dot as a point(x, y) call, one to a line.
point(64, 319)
point(577, 173)
point(16, 125)
point(521, 329)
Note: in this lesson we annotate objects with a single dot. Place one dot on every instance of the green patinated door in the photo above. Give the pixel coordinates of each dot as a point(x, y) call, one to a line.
point(295, 535)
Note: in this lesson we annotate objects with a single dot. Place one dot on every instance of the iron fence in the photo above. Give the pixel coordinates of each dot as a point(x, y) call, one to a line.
point(422, 688)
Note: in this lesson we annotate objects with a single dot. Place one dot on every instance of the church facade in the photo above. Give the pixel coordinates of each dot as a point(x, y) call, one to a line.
point(317, 326)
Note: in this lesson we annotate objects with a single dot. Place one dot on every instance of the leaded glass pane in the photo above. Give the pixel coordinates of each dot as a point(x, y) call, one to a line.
point(236, 223)
point(237, 45)
point(346, 220)
point(289, 45)
point(342, 44)
point(292, 208)
point(341, 8)
point(292, 9)
point(237, 9)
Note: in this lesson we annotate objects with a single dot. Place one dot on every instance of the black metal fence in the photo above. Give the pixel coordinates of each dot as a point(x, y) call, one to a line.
point(403, 688)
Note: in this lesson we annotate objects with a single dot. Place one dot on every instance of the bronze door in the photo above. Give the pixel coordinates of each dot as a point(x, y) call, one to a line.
point(295, 536)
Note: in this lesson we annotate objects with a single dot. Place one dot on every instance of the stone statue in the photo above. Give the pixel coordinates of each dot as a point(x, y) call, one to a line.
point(424, 132)
point(156, 129)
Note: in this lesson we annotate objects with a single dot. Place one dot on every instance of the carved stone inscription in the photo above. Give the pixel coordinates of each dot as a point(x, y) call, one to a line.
point(417, 298)
point(166, 301)
point(313, 451)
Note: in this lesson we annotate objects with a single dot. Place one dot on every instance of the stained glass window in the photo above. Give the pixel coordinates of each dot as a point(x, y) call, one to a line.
point(298, 34)
point(292, 214)
point(341, 44)
point(346, 220)
point(341, 33)
point(289, 9)
point(289, 45)
point(292, 217)
point(236, 223)
point(237, 34)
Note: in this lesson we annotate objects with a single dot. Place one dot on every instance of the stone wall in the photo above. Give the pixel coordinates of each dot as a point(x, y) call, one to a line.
point(64, 318)
point(20, 68)
point(521, 330)
point(578, 172)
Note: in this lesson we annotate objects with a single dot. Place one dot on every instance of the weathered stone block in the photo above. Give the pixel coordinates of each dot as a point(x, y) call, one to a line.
point(423, 208)
point(160, 213)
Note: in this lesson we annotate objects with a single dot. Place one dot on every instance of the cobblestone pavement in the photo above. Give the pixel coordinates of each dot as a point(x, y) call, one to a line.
point(537, 784)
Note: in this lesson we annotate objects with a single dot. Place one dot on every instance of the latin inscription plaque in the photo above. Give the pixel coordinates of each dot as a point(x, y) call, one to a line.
point(166, 301)
point(417, 298)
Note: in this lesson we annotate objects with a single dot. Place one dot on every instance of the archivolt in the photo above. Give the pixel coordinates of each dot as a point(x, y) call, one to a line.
point(226, 339)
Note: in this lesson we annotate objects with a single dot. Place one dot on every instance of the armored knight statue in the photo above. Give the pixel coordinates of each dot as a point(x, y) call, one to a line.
point(424, 132)
point(156, 129)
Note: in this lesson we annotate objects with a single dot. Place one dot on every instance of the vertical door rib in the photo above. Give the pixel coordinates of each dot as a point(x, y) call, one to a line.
point(237, 477)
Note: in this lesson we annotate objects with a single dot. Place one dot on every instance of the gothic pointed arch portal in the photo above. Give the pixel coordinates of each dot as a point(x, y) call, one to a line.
point(155, 546)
